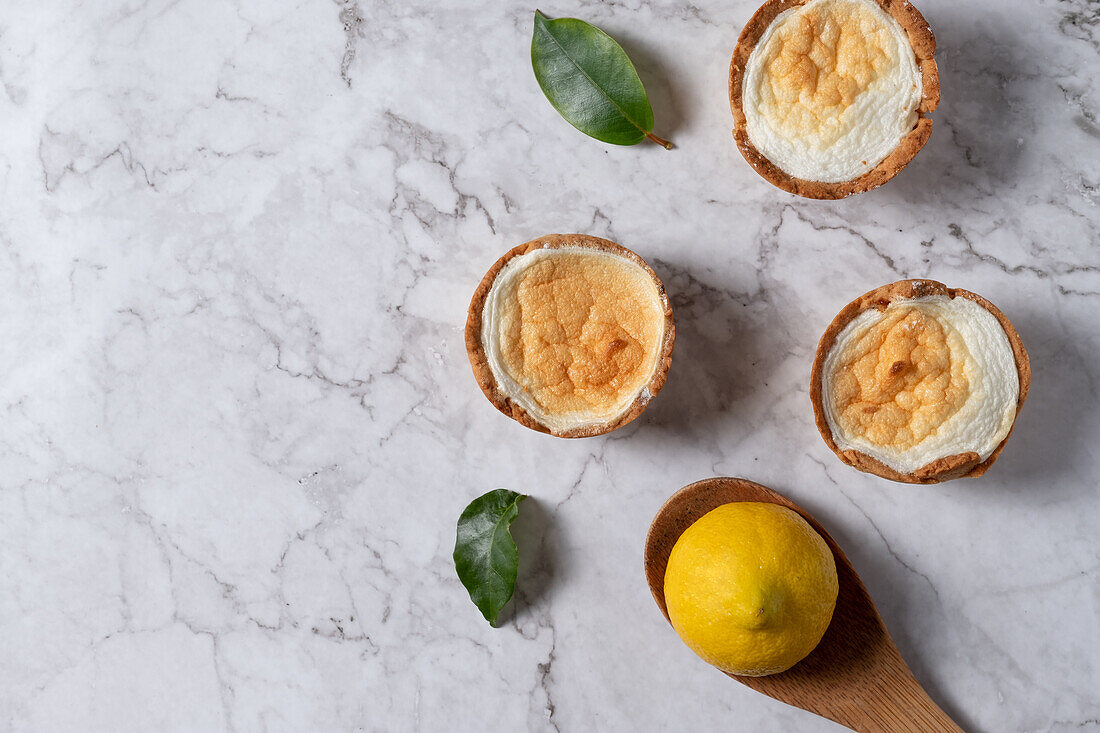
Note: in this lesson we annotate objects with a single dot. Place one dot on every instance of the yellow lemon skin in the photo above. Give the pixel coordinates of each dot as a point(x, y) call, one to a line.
point(751, 588)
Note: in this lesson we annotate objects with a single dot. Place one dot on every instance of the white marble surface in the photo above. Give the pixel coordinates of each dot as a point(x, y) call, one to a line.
point(237, 241)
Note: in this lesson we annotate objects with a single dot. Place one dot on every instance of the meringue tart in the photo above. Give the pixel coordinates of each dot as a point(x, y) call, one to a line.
point(570, 335)
point(829, 96)
point(919, 383)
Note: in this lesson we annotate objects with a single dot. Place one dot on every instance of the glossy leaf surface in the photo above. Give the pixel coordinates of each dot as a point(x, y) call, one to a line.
point(485, 555)
point(591, 81)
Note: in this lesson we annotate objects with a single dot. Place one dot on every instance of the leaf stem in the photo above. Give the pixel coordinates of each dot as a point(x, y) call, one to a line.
point(663, 143)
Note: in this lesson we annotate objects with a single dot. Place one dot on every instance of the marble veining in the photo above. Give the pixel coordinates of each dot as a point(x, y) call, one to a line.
point(237, 243)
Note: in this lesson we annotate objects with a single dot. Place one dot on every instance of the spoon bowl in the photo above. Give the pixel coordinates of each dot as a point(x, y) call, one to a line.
point(855, 676)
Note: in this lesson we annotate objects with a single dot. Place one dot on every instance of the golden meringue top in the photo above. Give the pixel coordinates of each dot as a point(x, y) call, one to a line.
point(573, 334)
point(830, 89)
point(923, 379)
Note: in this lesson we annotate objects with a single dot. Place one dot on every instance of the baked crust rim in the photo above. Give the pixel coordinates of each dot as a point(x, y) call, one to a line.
point(968, 465)
point(479, 361)
point(923, 43)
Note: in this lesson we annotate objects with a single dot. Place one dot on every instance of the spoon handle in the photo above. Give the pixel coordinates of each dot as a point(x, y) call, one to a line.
point(901, 706)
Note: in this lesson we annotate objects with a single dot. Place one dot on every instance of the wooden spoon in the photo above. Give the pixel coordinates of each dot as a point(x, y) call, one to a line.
point(855, 676)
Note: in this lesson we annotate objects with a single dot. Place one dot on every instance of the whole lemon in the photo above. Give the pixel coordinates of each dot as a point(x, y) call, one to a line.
point(751, 588)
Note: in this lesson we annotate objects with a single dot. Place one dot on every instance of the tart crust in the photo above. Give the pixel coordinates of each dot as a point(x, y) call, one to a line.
point(942, 469)
point(924, 46)
point(480, 363)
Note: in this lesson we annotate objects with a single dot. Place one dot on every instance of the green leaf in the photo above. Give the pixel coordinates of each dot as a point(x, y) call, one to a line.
point(589, 79)
point(485, 556)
